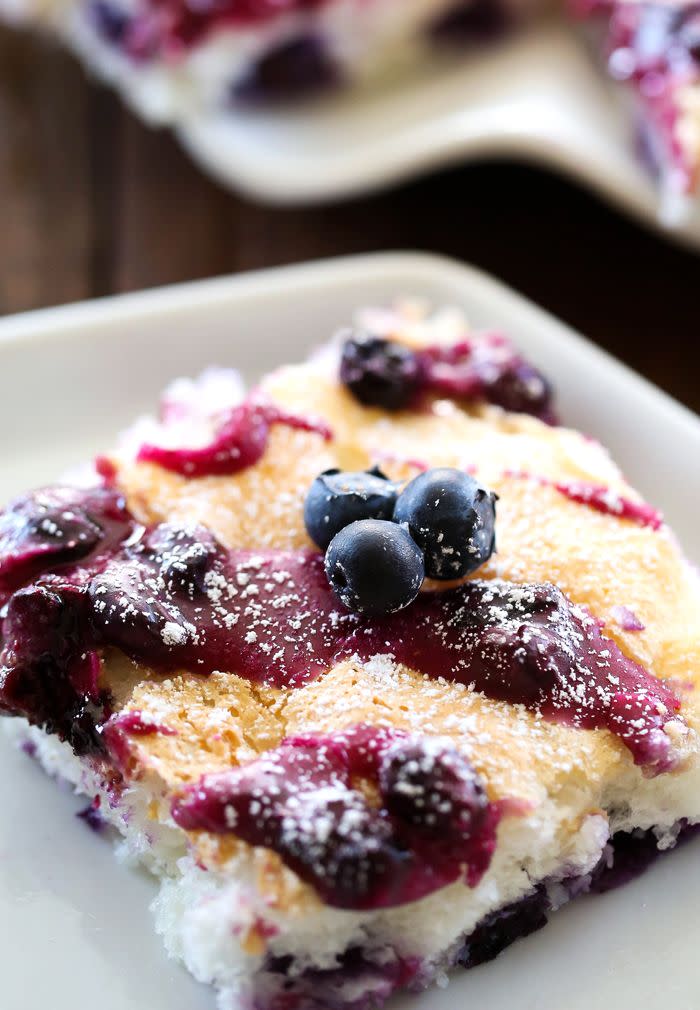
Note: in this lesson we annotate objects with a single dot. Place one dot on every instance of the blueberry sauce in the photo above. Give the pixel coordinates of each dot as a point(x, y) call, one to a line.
point(601, 498)
point(92, 816)
point(295, 69)
point(488, 369)
point(363, 981)
point(656, 48)
point(117, 732)
point(626, 619)
point(629, 854)
point(358, 983)
point(55, 527)
point(171, 27)
point(240, 441)
point(175, 599)
point(106, 470)
point(499, 929)
point(109, 21)
point(135, 723)
point(433, 823)
point(472, 21)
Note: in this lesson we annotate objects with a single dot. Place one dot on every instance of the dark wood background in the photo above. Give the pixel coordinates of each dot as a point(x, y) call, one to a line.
point(92, 202)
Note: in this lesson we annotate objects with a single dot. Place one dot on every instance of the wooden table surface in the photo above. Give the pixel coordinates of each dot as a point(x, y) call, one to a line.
point(92, 202)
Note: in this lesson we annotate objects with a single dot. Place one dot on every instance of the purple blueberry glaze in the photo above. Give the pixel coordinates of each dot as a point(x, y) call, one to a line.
point(599, 497)
point(135, 723)
point(171, 27)
point(175, 599)
point(602, 499)
point(92, 816)
point(433, 824)
point(626, 619)
point(298, 68)
point(654, 48)
point(629, 854)
point(499, 929)
point(488, 369)
point(56, 527)
point(472, 21)
point(240, 441)
point(110, 22)
point(117, 732)
point(371, 980)
point(358, 983)
point(48, 671)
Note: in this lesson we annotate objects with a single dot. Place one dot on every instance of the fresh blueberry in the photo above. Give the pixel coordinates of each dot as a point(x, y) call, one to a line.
point(451, 518)
point(379, 372)
point(337, 498)
point(374, 567)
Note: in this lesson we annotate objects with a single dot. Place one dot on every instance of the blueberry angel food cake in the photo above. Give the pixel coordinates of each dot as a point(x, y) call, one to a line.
point(172, 58)
point(373, 666)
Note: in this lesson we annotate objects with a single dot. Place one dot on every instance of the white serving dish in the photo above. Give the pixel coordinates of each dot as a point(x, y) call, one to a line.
point(539, 98)
point(74, 927)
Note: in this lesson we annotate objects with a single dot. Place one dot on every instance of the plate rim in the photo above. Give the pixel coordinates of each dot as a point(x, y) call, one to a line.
point(80, 317)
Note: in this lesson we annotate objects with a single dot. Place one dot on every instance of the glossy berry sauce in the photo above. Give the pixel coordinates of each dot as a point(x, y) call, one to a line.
point(656, 48)
point(371, 980)
point(116, 734)
point(240, 441)
point(430, 824)
point(473, 21)
point(626, 619)
point(384, 373)
point(135, 723)
point(59, 526)
point(487, 369)
point(294, 69)
point(171, 27)
point(600, 498)
point(48, 668)
point(173, 599)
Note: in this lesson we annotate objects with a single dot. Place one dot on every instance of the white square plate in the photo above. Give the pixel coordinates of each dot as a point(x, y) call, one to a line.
point(75, 931)
point(537, 97)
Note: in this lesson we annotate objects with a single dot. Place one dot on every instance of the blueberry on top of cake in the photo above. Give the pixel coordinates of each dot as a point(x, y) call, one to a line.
point(373, 665)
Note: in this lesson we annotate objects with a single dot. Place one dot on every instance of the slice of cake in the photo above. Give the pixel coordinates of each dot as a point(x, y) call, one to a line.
point(654, 50)
point(374, 667)
point(172, 59)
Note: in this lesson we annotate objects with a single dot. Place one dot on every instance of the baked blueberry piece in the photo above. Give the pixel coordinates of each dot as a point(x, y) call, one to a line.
point(347, 786)
point(653, 50)
point(172, 59)
point(177, 62)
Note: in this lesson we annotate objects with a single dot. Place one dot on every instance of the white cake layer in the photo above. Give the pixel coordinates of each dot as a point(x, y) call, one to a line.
point(204, 915)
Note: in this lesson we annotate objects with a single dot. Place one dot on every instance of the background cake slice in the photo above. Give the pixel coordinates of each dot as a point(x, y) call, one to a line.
point(172, 60)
